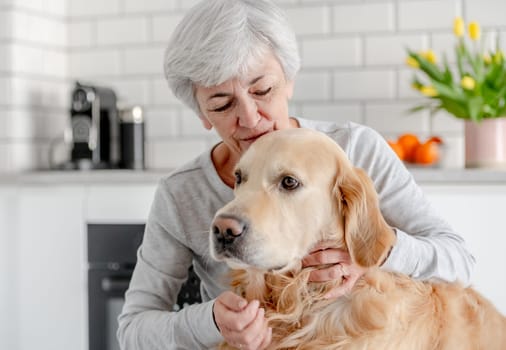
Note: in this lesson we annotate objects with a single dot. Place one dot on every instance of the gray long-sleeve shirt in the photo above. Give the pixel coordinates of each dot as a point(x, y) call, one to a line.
point(177, 235)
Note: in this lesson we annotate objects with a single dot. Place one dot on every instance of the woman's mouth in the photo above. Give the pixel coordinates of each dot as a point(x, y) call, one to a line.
point(252, 139)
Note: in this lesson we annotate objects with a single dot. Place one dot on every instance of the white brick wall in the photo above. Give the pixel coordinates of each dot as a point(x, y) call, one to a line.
point(93, 8)
point(163, 25)
point(149, 6)
point(38, 30)
point(330, 52)
point(428, 14)
point(122, 31)
point(364, 84)
point(352, 52)
point(33, 81)
point(390, 49)
point(364, 18)
point(487, 12)
point(312, 86)
point(311, 20)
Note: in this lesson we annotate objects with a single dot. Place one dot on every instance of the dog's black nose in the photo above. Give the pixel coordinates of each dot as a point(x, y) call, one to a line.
point(227, 228)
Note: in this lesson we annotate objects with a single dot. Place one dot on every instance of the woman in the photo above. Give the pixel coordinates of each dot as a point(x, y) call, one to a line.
point(234, 63)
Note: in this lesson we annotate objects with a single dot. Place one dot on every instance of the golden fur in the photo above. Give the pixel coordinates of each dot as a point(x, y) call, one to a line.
point(336, 201)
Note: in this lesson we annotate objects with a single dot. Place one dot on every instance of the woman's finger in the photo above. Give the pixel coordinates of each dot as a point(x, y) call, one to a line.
point(253, 335)
point(266, 341)
point(232, 301)
point(331, 273)
point(229, 315)
point(327, 256)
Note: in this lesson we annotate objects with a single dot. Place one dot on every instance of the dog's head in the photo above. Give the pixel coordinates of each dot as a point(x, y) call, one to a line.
point(294, 188)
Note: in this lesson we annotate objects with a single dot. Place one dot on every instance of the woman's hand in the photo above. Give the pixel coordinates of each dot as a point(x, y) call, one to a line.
point(241, 324)
point(342, 268)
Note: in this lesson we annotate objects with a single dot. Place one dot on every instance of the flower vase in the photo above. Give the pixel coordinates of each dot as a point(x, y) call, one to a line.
point(486, 143)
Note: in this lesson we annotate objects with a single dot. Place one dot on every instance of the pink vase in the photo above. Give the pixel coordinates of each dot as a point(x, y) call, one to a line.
point(486, 143)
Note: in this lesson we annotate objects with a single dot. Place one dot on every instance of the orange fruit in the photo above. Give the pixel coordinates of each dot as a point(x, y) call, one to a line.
point(427, 153)
point(397, 149)
point(435, 139)
point(409, 142)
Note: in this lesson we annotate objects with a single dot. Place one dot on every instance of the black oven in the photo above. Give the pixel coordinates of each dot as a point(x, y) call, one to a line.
point(112, 250)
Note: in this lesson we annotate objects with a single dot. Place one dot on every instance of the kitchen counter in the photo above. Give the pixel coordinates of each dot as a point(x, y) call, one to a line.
point(84, 177)
point(459, 176)
point(421, 175)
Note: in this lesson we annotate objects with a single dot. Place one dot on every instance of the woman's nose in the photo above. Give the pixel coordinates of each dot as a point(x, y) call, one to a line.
point(248, 113)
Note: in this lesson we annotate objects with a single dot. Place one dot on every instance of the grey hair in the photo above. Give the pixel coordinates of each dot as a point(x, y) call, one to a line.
point(220, 39)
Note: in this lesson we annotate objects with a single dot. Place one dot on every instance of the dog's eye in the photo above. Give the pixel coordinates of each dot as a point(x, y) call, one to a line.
point(289, 183)
point(238, 177)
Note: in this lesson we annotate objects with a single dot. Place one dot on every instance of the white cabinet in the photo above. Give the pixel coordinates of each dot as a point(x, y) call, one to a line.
point(49, 275)
point(46, 283)
point(477, 213)
point(8, 209)
point(119, 203)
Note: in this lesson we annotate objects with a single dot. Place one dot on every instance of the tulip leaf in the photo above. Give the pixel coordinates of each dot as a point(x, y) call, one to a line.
point(475, 104)
point(429, 68)
point(457, 109)
point(448, 91)
point(418, 108)
point(448, 78)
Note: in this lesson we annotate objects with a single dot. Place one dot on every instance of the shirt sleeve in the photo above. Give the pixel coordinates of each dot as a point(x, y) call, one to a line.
point(147, 320)
point(427, 247)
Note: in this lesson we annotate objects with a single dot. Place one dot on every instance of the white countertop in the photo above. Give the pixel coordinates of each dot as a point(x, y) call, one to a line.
point(111, 177)
point(84, 177)
point(459, 176)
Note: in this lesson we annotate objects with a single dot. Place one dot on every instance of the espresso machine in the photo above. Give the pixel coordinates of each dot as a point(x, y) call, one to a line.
point(101, 133)
point(94, 128)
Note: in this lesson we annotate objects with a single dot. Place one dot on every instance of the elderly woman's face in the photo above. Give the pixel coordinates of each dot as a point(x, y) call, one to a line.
point(241, 110)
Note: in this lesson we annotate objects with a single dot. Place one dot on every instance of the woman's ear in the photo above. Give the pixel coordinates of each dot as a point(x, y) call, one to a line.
point(205, 122)
point(367, 235)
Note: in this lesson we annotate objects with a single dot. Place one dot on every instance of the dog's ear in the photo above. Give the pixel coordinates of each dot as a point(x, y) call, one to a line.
point(367, 235)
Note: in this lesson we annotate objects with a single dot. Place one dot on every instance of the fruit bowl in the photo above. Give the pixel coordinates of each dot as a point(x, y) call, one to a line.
point(414, 152)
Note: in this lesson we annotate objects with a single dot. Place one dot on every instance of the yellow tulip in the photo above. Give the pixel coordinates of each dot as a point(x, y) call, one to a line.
point(498, 57)
point(458, 26)
point(428, 91)
point(474, 31)
point(468, 83)
point(430, 56)
point(487, 59)
point(410, 61)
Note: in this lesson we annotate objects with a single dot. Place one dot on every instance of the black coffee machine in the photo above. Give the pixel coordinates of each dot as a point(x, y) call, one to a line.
point(94, 128)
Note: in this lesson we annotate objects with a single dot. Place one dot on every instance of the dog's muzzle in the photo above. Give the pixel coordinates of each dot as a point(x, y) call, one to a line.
point(227, 228)
point(228, 231)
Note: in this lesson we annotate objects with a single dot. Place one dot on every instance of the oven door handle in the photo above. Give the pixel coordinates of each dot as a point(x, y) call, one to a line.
point(115, 284)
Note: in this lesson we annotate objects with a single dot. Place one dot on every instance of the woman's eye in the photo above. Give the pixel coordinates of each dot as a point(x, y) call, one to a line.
point(289, 183)
point(263, 92)
point(238, 177)
point(222, 108)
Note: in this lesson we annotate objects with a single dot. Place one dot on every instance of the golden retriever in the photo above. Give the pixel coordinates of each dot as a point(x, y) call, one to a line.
point(295, 188)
